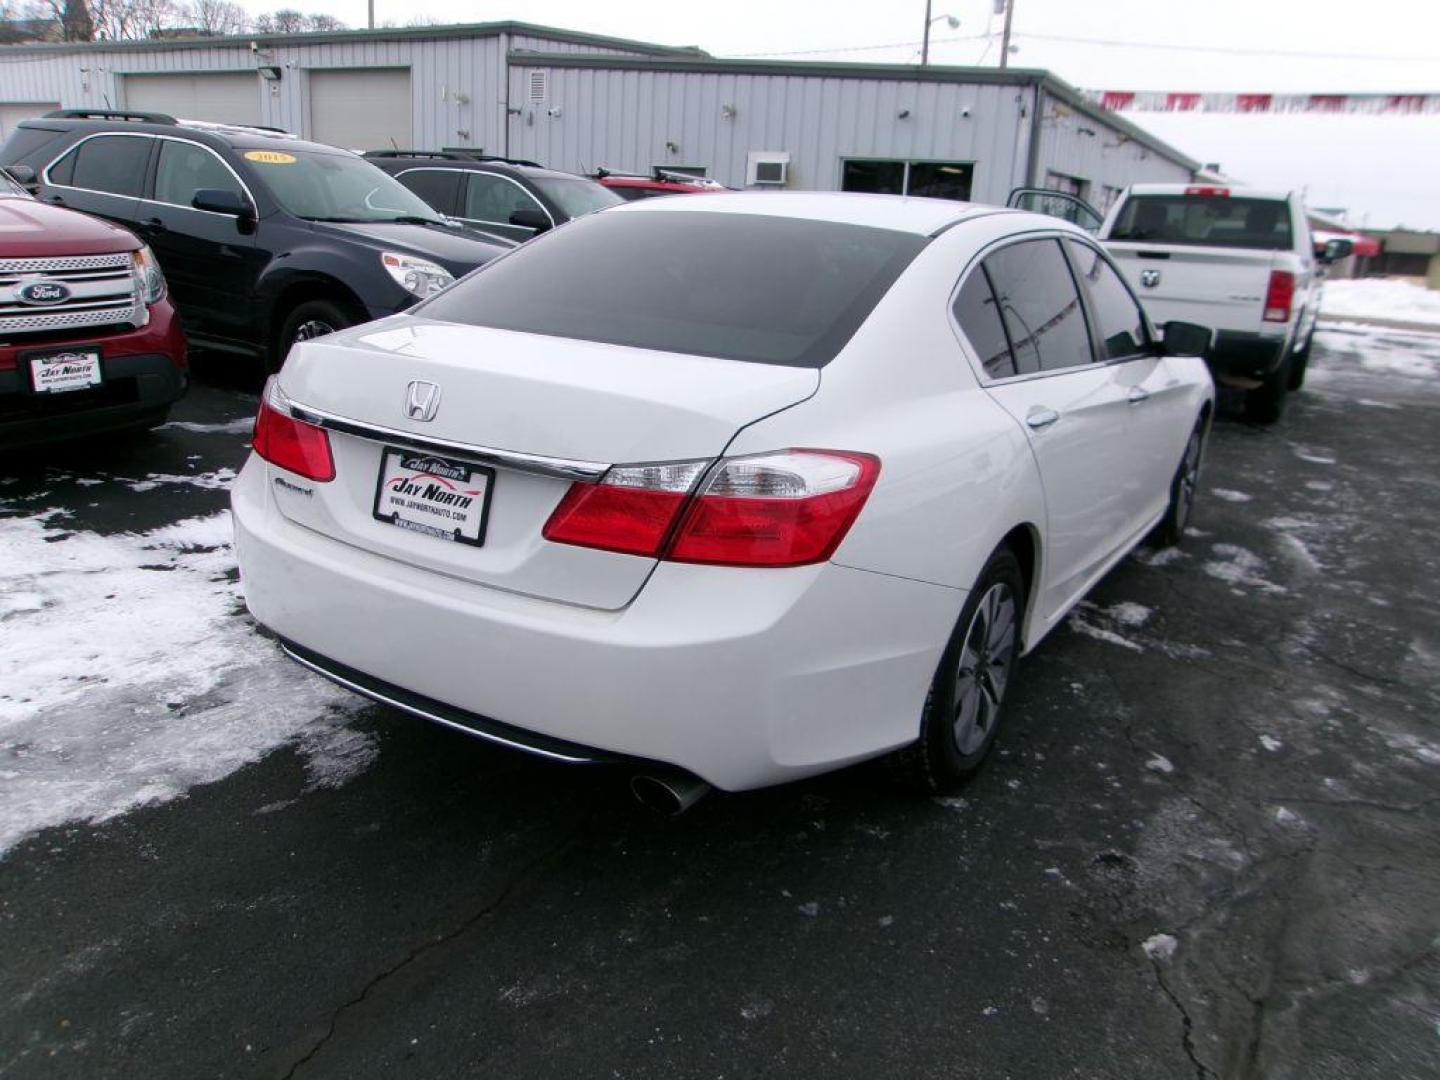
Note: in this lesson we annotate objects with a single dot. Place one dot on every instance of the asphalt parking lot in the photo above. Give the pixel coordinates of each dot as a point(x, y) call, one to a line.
point(1209, 846)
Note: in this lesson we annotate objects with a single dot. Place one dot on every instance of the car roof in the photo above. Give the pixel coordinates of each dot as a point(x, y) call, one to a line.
point(1236, 191)
point(479, 164)
point(921, 216)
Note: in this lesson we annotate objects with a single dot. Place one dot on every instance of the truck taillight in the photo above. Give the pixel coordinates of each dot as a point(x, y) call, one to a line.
point(291, 444)
point(1279, 296)
point(783, 509)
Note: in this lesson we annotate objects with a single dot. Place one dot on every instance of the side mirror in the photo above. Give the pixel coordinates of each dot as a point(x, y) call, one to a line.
point(221, 201)
point(1184, 339)
point(23, 175)
point(1335, 250)
point(530, 219)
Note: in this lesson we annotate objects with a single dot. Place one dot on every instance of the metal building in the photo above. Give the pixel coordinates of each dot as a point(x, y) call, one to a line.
point(578, 101)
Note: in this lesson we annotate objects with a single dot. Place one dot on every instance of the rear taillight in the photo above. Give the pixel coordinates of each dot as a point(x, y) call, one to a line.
point(280, 439)
point(782, 509)
point(1279, 296)
point(1213, 192)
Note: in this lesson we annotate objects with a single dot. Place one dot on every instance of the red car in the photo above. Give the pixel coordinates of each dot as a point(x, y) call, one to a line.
point(632, 186)
point(88, 341)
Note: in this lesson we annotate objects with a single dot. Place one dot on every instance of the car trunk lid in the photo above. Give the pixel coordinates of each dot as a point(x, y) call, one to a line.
point(538, 411)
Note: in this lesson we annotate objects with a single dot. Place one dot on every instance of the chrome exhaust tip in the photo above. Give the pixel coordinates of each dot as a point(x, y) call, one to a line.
point(670, 794)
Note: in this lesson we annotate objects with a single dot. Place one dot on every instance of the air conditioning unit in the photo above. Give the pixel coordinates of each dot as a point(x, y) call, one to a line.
point(768, 168)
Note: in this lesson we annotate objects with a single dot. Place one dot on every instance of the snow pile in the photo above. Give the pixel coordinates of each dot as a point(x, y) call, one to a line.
point(128, 675)
point(1380, 298)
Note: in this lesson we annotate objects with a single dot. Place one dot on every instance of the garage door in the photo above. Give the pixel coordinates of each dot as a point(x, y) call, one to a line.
point(11, 114)
point(231, 97)
point(365, 109)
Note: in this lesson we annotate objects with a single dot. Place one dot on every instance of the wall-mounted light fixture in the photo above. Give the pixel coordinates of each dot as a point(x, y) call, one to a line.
point(727, 112)
point(269, 72)
point(673, 147)
point(904, 114)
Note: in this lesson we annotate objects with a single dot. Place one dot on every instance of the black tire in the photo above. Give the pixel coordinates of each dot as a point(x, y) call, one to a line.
point(311, 319)
point(1183, 488)
point(1299, 362)
point(1266, 403)
point(960, 720)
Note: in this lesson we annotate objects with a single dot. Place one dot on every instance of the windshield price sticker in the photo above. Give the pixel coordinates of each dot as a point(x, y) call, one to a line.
point(270, 157)
point(435, 496)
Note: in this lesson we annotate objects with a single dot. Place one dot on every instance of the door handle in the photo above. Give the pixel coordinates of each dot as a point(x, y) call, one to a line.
point(152, 225)
point(1138, 394)
point(57, 200)
point(1041, 418)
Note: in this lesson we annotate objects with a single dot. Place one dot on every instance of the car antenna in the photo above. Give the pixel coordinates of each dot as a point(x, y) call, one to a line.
point(394, 145)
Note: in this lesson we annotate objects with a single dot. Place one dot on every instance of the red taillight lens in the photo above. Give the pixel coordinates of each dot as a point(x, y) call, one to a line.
point(784, 509)
point(1279, 296)
point(1213, 192)
point(280, 439)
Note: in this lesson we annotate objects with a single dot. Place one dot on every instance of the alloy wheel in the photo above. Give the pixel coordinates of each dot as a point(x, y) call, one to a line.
point(1187, 481)
point(986, 659)
point(313, 328)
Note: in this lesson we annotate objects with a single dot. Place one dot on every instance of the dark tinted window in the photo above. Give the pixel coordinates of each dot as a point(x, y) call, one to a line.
point(436, 186)
point(979, 316)
point(1040, 306)
point(26, 144)
point(111, 163)
point(880, 177)
point(767, 289)
point(1120, 324)
point(185, 168)
point(1205, 220)
point(941, 179)
point(493, 198)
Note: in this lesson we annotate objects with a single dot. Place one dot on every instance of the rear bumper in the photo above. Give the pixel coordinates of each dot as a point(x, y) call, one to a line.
point(1246, 355)
point(742, 677)
point(144, 372)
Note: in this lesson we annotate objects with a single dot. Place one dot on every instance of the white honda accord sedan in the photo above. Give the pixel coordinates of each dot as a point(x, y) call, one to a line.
point(734, 490)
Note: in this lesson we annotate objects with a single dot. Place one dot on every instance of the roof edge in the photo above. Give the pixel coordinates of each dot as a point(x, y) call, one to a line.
point(322, 37)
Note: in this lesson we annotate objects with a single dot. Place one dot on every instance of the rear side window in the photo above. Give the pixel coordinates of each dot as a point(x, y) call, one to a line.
point(770, 290)
point(1120, 326)
point(1205, 221)
point(979, 316)
point(27, 142)
point(437, 187)
point(110, 163)
point(1037, 299)
point(185, 168)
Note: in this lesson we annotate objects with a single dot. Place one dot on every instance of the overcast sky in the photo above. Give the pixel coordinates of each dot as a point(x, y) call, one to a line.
point(1383, 167)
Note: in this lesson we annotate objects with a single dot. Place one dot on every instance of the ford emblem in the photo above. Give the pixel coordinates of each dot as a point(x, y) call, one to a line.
point(43, 292)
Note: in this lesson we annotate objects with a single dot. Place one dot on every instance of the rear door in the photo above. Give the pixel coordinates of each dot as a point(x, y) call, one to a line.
point(101, 175)
point(209, 259)
point(1058, 204)
point(438, 187)
point(1021, 310)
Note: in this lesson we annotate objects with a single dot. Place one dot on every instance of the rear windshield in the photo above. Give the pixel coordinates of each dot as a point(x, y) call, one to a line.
point(1205, 220)
point(770, 290)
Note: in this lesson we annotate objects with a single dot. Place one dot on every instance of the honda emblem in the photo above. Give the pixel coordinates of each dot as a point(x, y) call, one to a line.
point(422, 400)
point(1150, 278)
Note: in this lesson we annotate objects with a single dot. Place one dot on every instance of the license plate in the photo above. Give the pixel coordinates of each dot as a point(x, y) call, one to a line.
point(75, 369)
point(435, 496)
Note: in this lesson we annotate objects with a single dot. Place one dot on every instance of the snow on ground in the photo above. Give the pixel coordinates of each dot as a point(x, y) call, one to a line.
point(128, 675)
point(1385, 352)
point(1380, 298)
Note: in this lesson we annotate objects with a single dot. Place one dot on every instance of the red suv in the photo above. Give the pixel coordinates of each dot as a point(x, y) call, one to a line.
point(88, 341)
point(632, 186)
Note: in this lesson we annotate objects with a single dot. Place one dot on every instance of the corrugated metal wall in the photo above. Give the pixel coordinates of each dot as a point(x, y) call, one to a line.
point(633, 120)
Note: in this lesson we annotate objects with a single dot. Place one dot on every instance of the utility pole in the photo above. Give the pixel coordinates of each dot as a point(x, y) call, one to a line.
point(1005, 37)
point(372, 16)
point(925, 45)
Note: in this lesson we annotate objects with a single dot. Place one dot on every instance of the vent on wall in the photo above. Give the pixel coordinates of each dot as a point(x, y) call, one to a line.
point(770, 168)
point(539, 87)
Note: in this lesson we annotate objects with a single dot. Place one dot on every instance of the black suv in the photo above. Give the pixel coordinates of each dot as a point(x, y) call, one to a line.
point(264, 239)
point(506, 196)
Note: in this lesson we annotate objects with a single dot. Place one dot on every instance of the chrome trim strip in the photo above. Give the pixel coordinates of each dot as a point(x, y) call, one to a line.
point(375, 695)
point(560, 468)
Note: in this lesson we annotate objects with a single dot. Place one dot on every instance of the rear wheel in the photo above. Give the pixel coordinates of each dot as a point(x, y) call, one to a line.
point(307, 321)
point(1171, 529)
point(1299, 362)
point(967, 697)
point(1266, 403)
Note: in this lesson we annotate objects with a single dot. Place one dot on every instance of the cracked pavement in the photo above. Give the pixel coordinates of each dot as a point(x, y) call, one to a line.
point(1208, 846)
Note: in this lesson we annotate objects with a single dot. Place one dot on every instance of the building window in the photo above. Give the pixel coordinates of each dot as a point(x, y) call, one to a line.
point(1070, 185)
point(935, 179)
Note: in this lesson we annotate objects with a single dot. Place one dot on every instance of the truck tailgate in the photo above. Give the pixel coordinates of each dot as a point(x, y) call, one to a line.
point(1222, 288)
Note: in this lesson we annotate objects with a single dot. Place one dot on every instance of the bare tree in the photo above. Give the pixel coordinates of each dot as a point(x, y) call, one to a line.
point(214, 17)
point(131, 20)
point(290, 21)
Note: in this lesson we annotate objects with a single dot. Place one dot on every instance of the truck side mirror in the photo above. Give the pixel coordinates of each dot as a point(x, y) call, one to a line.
point(1335, 250)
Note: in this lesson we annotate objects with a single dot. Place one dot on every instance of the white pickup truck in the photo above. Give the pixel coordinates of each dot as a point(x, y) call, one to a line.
point(1238, 260)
